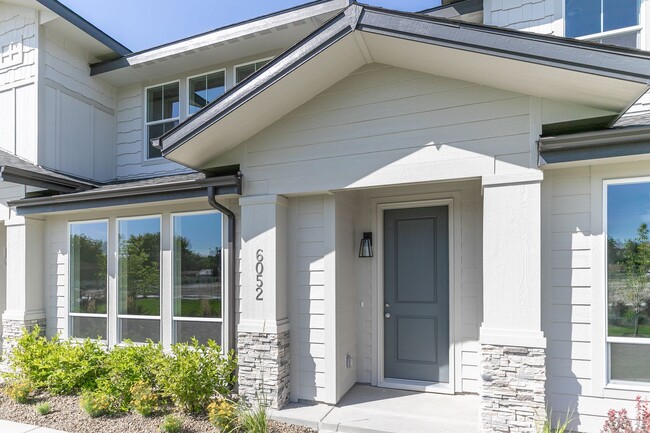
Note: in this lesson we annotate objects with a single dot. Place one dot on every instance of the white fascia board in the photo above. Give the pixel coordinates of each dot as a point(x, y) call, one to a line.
point(236, 31)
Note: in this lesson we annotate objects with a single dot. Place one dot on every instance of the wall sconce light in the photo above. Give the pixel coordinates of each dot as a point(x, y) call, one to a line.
point(365, 249)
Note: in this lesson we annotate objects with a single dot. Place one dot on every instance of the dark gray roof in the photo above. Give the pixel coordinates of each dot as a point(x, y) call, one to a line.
point(642, 119)
point(157, 189)
point(17, 170)
point(564, 53)
point(72, 17)
point(462, 7)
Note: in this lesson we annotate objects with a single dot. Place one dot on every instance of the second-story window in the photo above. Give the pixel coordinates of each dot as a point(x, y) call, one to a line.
point(244, 71)
point(204, 89)
point(614, 22)
point(162, 113)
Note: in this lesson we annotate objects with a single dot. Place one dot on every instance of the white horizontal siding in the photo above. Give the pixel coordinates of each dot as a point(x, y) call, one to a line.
point(383, 125)
point(130, 134)
point(307, 312)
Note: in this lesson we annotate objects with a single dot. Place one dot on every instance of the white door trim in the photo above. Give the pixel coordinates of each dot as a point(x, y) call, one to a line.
point(452, 200)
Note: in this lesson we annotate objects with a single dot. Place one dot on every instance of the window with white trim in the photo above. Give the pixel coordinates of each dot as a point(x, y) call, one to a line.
point(246, 70)
point(162, 113)
point(203, 89)
point(196, 255)
point(138, 303)
point(138, 278)
point(88, 279)
point(613, 22)
point(628, 280)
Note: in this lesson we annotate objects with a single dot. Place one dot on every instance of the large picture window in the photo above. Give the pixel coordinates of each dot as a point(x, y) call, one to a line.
point(139, 278)
point(162, 113)
point(628, 280)
point(88, 279)
point(197, 249)
point(614, 22)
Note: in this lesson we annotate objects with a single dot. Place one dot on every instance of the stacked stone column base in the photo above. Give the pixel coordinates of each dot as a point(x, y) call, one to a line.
point(11, 330)
point(264, 367)
point(513, 388)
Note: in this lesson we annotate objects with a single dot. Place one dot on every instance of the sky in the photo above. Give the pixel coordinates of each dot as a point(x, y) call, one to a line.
point(142, 24)
point(628, 205)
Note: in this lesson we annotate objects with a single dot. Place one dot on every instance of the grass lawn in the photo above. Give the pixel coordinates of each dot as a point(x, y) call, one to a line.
point(628, 331)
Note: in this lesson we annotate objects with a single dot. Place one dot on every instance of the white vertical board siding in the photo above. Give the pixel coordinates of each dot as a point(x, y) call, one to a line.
point(346, 291)
point(538, 16)
point(130, 160)
point(384, 125)
point(573, 294)
point(466, 332)
point(78, 112)
point(307, 312)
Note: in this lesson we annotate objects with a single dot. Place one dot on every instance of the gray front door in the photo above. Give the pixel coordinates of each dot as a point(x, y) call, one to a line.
point(416, 294)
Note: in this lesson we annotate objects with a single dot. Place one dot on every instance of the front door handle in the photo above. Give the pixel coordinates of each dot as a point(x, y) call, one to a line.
point(387, 315)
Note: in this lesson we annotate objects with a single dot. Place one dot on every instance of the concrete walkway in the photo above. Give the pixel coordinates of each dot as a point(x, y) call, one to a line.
point(16, 427)
point(366, 409)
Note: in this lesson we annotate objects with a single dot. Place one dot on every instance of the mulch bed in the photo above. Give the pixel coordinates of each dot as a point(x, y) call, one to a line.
point(68, 416)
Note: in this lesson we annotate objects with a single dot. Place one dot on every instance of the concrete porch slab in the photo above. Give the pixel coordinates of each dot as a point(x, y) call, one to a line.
point(366, 409)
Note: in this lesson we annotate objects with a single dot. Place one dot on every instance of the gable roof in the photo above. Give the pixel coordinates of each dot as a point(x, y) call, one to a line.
point(557, 68)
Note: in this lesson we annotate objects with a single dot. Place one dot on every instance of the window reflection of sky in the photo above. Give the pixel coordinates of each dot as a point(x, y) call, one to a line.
point(628, 205)
point(202, 230)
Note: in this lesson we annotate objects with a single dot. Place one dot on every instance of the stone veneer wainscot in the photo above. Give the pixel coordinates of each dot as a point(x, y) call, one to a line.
point(513, 381)
point(264, 361)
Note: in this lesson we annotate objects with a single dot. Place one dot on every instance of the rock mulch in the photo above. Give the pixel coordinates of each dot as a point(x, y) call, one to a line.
point(68, 416)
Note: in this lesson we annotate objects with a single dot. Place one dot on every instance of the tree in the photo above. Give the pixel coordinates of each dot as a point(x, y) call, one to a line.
point(139, 267)
point(636, 265)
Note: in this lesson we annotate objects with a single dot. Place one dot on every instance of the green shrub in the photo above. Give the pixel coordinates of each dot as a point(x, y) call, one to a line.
point(61, 367)
point(79, 365)
point(171, 424)
point(195, 373)
point(129, 364)
point(19, 391)
point(145, 400)
point(99, 402)
point(44, 408)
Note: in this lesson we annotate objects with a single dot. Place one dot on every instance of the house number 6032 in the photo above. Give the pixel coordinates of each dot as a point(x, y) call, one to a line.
point(259, 270)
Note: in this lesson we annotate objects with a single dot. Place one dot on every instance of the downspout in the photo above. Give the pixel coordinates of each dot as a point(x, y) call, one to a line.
point(212, 192)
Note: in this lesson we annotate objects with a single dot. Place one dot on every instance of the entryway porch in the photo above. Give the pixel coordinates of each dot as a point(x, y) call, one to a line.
point(368, 409)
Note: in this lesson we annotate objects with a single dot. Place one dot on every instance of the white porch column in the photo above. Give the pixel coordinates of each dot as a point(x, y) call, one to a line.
point(263, 331)
point(513, 372)
point(25, 306)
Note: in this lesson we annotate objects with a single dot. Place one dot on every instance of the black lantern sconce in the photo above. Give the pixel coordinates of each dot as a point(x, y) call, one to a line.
point(365, 249)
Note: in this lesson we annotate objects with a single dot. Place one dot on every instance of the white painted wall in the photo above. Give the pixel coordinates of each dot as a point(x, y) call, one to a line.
point(78, 111)
point(384, 126)
point(18, 75)
point(573, 287)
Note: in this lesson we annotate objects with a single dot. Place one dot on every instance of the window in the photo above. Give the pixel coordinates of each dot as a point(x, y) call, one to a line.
point(204, 89)
point(608, 21)
point(162, 113)
point(628, 280)
point(244, 71)
point(138, 273)
point(88, 279)
point(159, 277)
point(197, 246)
